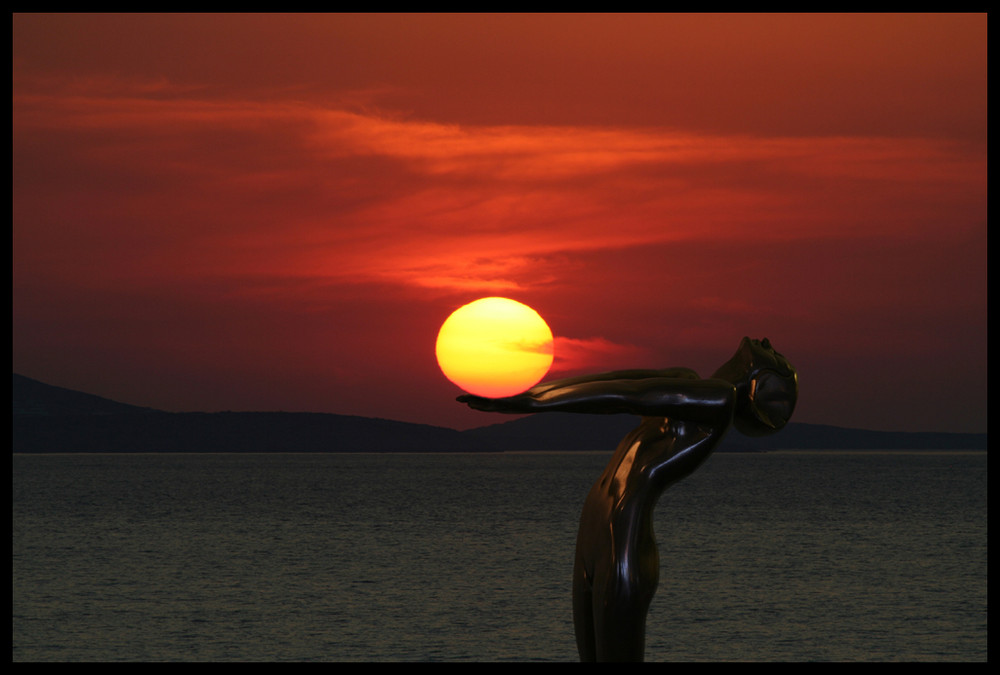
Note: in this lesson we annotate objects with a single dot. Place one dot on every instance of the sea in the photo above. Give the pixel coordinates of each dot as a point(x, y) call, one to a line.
point(799, 556)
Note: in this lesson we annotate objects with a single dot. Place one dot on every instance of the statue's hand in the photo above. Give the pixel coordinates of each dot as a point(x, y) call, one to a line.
point(521, 403)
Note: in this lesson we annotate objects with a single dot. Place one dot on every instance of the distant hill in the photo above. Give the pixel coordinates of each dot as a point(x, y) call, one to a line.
point(32, 397)
point(568, 432)
point(53, 419)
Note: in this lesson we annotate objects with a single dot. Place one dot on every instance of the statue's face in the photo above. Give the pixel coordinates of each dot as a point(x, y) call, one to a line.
point(767, 386)
point(773, 397)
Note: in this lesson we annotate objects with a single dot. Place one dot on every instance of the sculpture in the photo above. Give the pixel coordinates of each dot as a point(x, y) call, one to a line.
point(684, 417)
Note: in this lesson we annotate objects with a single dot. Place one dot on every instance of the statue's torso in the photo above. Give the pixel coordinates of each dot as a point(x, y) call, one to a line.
point(616, 526)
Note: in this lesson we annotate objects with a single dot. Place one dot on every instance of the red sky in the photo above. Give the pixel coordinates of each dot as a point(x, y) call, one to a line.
point(245, 212)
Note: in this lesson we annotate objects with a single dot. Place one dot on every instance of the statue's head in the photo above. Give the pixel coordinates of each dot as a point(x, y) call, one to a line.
point(766, 387)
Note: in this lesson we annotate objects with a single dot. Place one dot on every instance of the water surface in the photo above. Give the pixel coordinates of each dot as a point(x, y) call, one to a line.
point(468, 557)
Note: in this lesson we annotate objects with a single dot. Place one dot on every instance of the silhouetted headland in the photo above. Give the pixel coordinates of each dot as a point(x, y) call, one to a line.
point(47, 418)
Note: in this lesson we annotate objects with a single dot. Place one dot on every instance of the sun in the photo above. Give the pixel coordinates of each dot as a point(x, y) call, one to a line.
point(494, 347)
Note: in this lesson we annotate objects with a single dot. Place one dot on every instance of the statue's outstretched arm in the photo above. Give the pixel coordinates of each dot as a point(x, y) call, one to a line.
point(693, 400)
point(634, 374)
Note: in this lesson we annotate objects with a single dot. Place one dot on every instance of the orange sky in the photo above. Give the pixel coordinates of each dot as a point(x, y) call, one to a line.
point(244, 212)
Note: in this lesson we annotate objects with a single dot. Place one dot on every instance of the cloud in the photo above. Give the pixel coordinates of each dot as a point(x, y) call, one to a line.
point(287, 187)
point(596, 353)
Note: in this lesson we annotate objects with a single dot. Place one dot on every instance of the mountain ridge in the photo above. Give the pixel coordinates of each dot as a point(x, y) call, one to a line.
point(47, 418)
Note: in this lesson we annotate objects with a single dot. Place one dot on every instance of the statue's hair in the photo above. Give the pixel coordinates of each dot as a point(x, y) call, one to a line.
point(765, 357)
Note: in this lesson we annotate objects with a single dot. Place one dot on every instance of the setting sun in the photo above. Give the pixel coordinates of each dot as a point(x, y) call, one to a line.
point(494, 347)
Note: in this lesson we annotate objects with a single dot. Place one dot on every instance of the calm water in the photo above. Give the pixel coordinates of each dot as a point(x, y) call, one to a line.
point(778, 556)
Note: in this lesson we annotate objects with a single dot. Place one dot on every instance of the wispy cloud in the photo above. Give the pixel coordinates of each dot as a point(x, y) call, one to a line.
point(581, 354)
point(292, 188)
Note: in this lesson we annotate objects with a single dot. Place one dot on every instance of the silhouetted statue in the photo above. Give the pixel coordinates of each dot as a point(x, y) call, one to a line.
point(683, 419)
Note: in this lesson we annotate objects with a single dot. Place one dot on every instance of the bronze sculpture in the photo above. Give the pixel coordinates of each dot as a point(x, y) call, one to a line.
point(683, 419)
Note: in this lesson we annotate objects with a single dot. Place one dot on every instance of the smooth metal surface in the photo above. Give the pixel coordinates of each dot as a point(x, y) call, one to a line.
point(683, 419)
